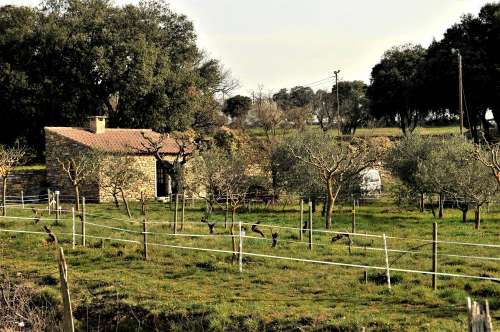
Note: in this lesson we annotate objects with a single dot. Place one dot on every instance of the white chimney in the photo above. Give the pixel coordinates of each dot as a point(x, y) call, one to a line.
point(97, 124)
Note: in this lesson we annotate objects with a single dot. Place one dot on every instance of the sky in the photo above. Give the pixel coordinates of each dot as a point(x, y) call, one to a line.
point(285, 43)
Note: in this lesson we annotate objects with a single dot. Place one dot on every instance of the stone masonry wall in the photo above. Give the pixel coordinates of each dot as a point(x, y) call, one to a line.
point(30, 182)
point(144, 164)
point(59, 147)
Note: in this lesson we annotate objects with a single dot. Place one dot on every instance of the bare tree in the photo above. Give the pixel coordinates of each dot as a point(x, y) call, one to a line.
point(226, 175)
point(269, 115)
point(336, 162)
point(9, 159)
point(79, 169)
point(155, 144)
point(120, 174)
point(489, 156)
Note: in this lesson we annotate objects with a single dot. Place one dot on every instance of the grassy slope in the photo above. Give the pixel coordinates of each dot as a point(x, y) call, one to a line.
point(191, 290)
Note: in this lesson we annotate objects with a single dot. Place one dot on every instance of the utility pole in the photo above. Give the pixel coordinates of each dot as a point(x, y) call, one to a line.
point(460, 93)
point(336, 73)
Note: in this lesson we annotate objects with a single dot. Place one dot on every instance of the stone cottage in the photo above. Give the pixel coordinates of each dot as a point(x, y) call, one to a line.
point(63, 142)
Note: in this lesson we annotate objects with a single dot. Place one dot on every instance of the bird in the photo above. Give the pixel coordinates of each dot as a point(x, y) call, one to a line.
point(35, 211)
point(275, 239)
point(304, 227)
point(256, 230)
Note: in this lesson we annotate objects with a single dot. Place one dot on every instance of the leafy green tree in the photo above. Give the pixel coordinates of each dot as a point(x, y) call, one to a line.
point(394, 88)
point(237, 108)
point(335, 163)
point(353, 105)
point(73, 58)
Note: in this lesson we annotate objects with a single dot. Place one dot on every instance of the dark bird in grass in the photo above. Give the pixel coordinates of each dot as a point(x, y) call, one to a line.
point(256, 230)
point(304, 227)
point(275, 239)
point(211, 227)
point(35, 212)
point(81, 217)
point(36, 219)
point(340, 236)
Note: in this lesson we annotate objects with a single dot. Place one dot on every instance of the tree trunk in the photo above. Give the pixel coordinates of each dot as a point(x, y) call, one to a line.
point(4, 196)
point(329, 204)
point(115, 199)
point(233, 239)
point(477, 218)
point(126, 204)
point(313, 201)
point(464, 214)
point(77, 197)
point(432, 206)
point(441, 199)
point(421, 202)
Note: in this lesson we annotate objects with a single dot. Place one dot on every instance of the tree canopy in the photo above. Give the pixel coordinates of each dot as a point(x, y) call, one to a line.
point(69, 59)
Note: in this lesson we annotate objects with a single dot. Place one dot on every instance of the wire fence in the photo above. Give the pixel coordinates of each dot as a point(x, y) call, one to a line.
point(242, 237)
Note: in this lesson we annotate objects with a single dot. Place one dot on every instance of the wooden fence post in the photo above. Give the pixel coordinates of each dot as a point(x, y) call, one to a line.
point(48, 201)
point(478, 318)
point(68, 325)
point(353, 228)
point(301, 225)
point(58, 208)
point(22, 199)
point(240, 258)
point(227, 211)
point(73, 228)
point(175, 212)
point(310, 224)
point(434, 256)
point(183, 210)
point(83, 221)
point(145, 239)
point(387, 271)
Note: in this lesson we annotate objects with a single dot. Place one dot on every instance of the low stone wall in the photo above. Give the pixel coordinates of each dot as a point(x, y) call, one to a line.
point(31, 182)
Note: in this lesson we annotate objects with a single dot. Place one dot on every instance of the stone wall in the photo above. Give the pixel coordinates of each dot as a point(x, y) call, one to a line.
point(30, 182)
point(147, 183)
point(57, 148)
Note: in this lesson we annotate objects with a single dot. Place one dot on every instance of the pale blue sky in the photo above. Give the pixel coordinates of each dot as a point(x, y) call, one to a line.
point(284, 43)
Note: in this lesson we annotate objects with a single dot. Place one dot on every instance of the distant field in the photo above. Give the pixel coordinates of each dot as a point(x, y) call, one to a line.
point(181, 290)
point(390, 132)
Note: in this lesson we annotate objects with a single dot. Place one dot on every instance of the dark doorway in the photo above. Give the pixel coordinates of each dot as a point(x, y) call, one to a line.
point(161, 180)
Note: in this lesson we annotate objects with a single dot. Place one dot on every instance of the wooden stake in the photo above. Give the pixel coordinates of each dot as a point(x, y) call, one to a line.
point(310, 224)
point(366, 277)
point(175, 212)
point(434, 256)
point(22, 199)
point(388, 273)
point(145, 239)
point(73, 227)
point(58, 208)
point(83, 221)
point(353, 227)
point(301, 225)
point(227, 211)
point(68, 325)
point(240, 246)
point(48, 201)
point(183, 211)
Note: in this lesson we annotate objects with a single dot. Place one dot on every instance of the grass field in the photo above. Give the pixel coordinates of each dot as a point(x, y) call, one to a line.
point(386, 131)
point(114, 289)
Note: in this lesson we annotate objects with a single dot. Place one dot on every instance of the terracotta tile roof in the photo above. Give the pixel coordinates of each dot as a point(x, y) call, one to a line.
point(116, 140)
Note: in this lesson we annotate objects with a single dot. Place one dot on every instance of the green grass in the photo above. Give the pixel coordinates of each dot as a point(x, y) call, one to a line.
point(194, 290)
point(375, 132)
